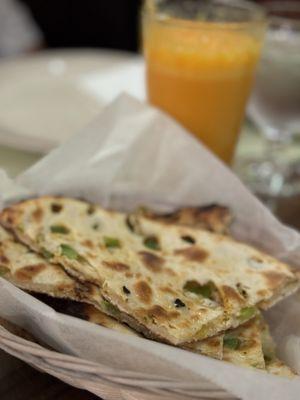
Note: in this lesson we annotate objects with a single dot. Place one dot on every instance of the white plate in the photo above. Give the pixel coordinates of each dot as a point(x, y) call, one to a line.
point(46, 98)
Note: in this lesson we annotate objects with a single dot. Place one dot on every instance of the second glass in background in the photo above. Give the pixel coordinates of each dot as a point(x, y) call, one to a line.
point(275, 103)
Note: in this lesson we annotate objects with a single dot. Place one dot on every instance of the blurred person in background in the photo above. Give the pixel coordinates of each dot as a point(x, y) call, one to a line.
point(110, 24)
point(18, 31)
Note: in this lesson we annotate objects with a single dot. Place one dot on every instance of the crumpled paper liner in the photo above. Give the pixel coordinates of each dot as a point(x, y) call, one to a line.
point(135, 155)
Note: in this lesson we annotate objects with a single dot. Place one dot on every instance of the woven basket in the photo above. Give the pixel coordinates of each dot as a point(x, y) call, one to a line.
point(110, 384)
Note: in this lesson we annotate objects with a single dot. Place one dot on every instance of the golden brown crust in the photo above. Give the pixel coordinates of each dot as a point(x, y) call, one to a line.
point(144, 291)
point(247, 350)
point(230, 296)
point(28, 272)
point(37, 214)
point(116, 266)
point(277, 367)
point(192, 253)
point(214, 218)
point(159, 313)
point(274, 279)
point(151, 261)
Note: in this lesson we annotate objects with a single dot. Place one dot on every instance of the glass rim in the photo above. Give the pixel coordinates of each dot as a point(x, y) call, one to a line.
point(258, 16)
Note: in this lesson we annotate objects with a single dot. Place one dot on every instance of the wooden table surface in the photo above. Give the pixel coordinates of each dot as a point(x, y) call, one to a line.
point(18, 381)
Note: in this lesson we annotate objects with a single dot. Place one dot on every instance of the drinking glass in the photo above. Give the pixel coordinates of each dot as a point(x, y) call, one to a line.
point(200, 60)
point(275, 102)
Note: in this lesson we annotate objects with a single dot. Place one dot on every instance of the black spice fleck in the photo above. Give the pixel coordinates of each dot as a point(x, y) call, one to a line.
point(188, 239)
point(129, 224)
point(56, 208)
point(178, 303)
point(125, 290)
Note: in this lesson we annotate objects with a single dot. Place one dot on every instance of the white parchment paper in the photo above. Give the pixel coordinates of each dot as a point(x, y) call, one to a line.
point(134, 155)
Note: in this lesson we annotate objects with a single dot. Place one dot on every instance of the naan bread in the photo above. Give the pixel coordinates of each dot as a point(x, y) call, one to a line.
point(211, 347)
point(243, 345)
point(251, 345)
point(277, 367)
point(273, 364)
point(214, 218)
point(32, 272)
point(170, 282)
point(84, 311)
point(258, 277)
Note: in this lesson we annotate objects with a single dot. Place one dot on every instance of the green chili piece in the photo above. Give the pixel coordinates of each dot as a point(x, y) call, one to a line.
point(59, 229)
point(246, 313)
point(231, 342)
point(46, 254)
point(3, 270)
point(111, 242)
point(68, 252)
point(205, 290)
point(152, 243)
point(110, 308)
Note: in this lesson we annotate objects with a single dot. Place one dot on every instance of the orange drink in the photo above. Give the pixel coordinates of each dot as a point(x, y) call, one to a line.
point(201, 71)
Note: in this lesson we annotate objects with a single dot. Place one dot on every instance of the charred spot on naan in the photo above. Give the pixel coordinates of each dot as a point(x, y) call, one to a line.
point(274, 279)
point(170, 271)
point(10, 216)
point(160, 314)
point(192, 253)
point(116, 266)
point(37, 214)
point(167, 289)
point(3, 259)
point(128, 274)
point(88, 243)
point(214, 342)
point(66, 287)
point(28, 272)
point(151, 261)
point(85, 291)
point(231, 297)
point(143, 291)
point(213, 217)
